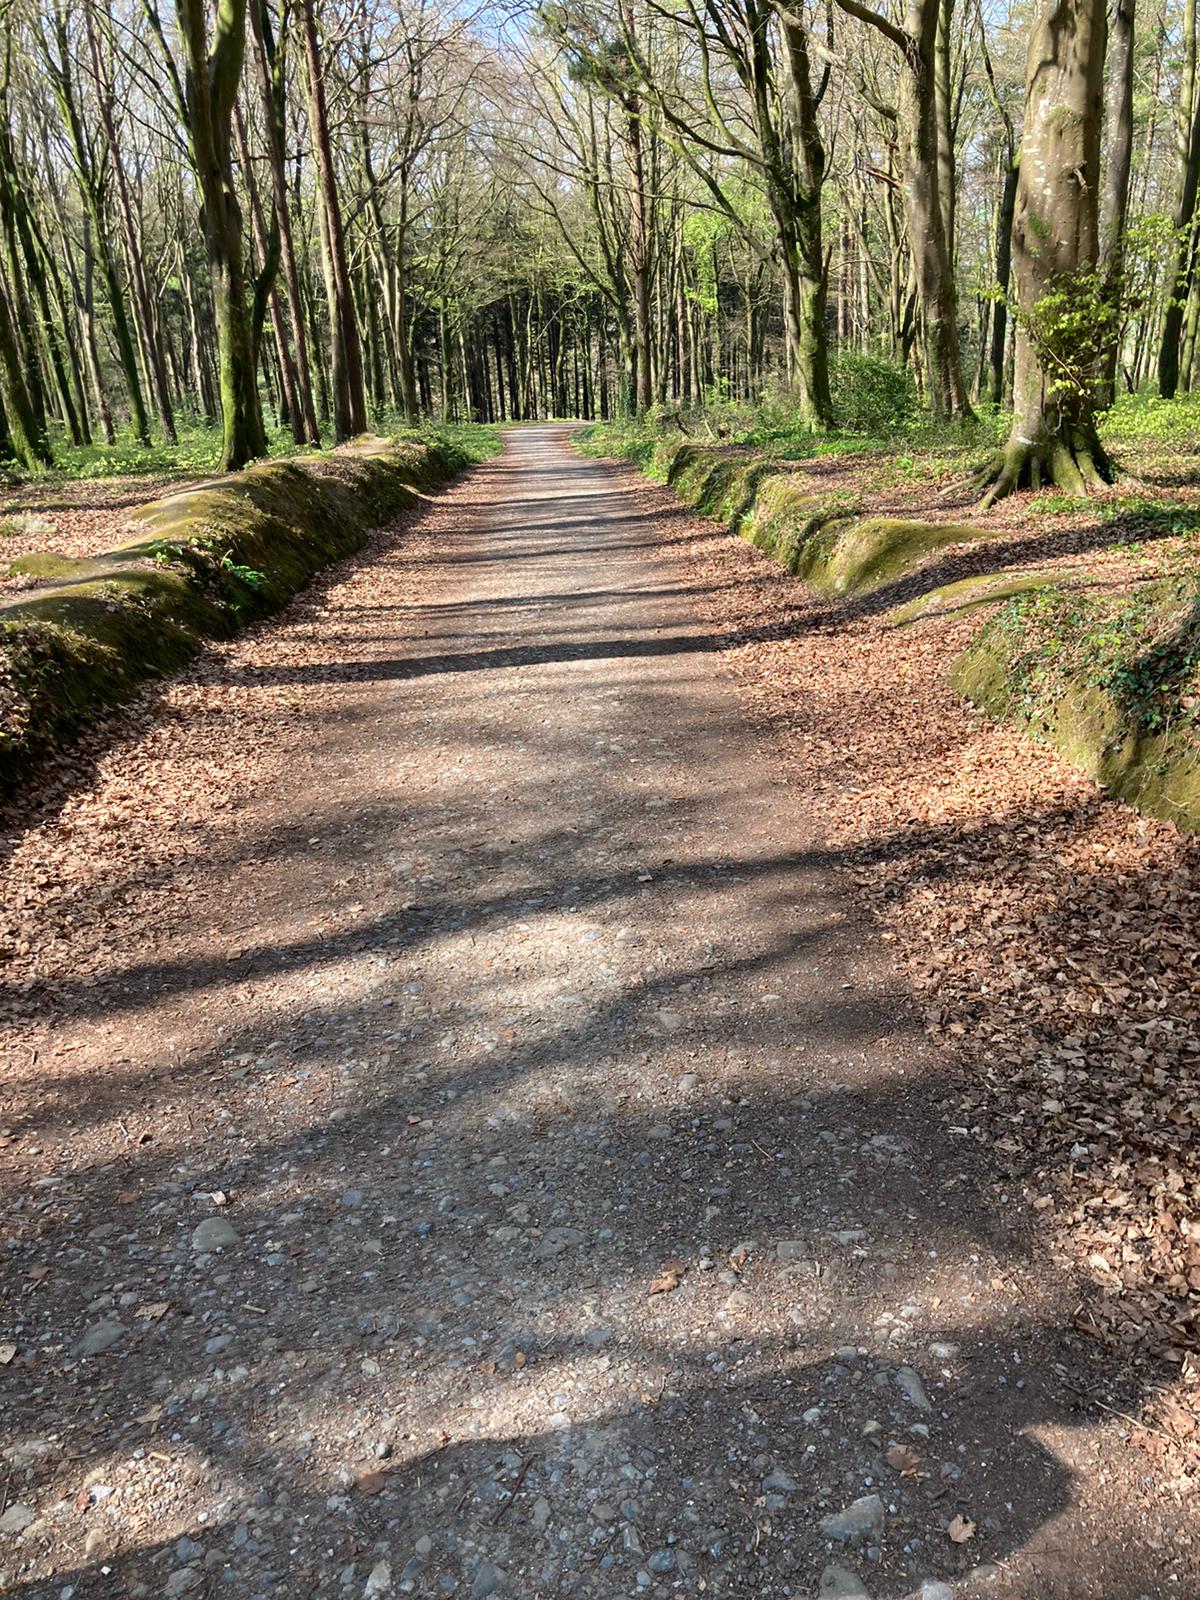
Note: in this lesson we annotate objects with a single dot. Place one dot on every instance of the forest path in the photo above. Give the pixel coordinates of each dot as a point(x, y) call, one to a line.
point(489, 1157)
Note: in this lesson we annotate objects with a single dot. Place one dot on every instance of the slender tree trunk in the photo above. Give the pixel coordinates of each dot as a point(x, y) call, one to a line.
point(349, 396)
point(143, 310)
point(270, 86)
point(27, 433)
point(1188, 156)
point(1114, 202)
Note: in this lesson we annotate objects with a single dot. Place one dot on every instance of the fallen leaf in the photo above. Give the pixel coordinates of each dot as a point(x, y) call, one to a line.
point(370, 1482)
point(960, 1530)
point(904, 1459)
point(668, 1279)
point(8, 1352)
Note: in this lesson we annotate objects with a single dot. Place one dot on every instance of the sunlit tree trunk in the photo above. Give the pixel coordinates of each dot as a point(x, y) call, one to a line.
point(1055, 250)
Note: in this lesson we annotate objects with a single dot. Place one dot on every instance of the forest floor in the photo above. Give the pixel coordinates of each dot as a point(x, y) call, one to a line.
point(565, 1065)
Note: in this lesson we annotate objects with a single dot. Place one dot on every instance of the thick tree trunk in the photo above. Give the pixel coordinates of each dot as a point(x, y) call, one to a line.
point(212, 78)
point(1055, 247)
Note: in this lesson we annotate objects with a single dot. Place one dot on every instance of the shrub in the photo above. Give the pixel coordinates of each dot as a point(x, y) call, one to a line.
point(871, 395)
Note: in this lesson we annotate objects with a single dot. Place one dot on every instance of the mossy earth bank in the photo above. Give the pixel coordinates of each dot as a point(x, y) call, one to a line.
point(1110, 681)
point(201, 564)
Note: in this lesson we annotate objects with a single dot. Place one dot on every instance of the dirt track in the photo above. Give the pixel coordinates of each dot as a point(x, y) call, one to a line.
point(591, 1224)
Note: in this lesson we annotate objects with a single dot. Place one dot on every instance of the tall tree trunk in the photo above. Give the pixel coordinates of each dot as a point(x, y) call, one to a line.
point(349, 396)
point(1188, 159)
point(27, 433)
point(270, 86)
point(920, 159)
point(1114, 202)
point(212, 77)
point(143, 310)
point(1055, 246)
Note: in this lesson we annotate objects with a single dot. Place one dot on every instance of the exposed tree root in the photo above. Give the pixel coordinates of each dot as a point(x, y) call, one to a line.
point(1078, 464)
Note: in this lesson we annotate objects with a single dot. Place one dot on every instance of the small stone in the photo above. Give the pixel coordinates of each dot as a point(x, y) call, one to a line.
point(859, 1520)
point(16, 1519)
point(487, 1580)
point(689, 1081)
point(910, 1386)
point(555, 1240)
point(839, 1584)
point(662, 1561)
point(214, 1233)
point(943, 1352)
point(184, 1580)
point(792, 1250)
point(777, 1481)
point(379, 1581)
point(101, 1336)
point(931, 1589)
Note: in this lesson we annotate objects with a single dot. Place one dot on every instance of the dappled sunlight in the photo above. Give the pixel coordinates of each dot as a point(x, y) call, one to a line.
point(492, 1142)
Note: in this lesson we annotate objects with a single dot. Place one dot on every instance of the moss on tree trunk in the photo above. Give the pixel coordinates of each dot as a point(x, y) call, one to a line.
point(1060, 299)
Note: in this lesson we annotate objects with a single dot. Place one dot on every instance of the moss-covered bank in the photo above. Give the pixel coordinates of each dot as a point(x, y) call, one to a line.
point(1111, 682)
point(201, 565)
point(822, 538)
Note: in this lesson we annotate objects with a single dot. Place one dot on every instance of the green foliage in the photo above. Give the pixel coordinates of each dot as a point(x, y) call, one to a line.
point(198, 452)
point(1070, 328)
point(871, 395)
point(1142, 650)
point(1147, 416)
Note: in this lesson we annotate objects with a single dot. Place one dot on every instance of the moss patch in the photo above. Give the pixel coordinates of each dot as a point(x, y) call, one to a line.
point(201, 564)
point(970, 593)
point(822, 538)
point(1112, 683)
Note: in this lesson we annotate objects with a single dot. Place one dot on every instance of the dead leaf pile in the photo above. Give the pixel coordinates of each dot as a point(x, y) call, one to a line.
point(1053, 935)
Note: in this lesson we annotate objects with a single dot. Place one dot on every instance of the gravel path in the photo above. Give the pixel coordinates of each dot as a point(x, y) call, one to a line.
point(460, 1141)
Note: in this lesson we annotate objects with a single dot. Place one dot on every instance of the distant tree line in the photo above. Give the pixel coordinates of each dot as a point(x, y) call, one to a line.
point(321, 216)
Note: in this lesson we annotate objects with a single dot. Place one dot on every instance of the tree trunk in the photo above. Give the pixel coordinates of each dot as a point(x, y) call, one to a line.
point(143, 311)
point(1188, 154)
point(999, 331)
point(270, 86)
point(921, 158)
point(26, 432)
point(1114, 204)
point(1055, 248)
point(212, 78)
point(349, 397)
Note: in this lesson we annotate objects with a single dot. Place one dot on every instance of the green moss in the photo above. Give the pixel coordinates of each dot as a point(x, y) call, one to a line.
point(45, 564)
point(1112, 683)
point(818, 537)
point(201, 564)
point(969, 593)
point(877, 550)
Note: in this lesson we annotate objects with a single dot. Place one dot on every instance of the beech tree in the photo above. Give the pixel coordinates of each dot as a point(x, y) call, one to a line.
point(292, 219)
point(1059, 290)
